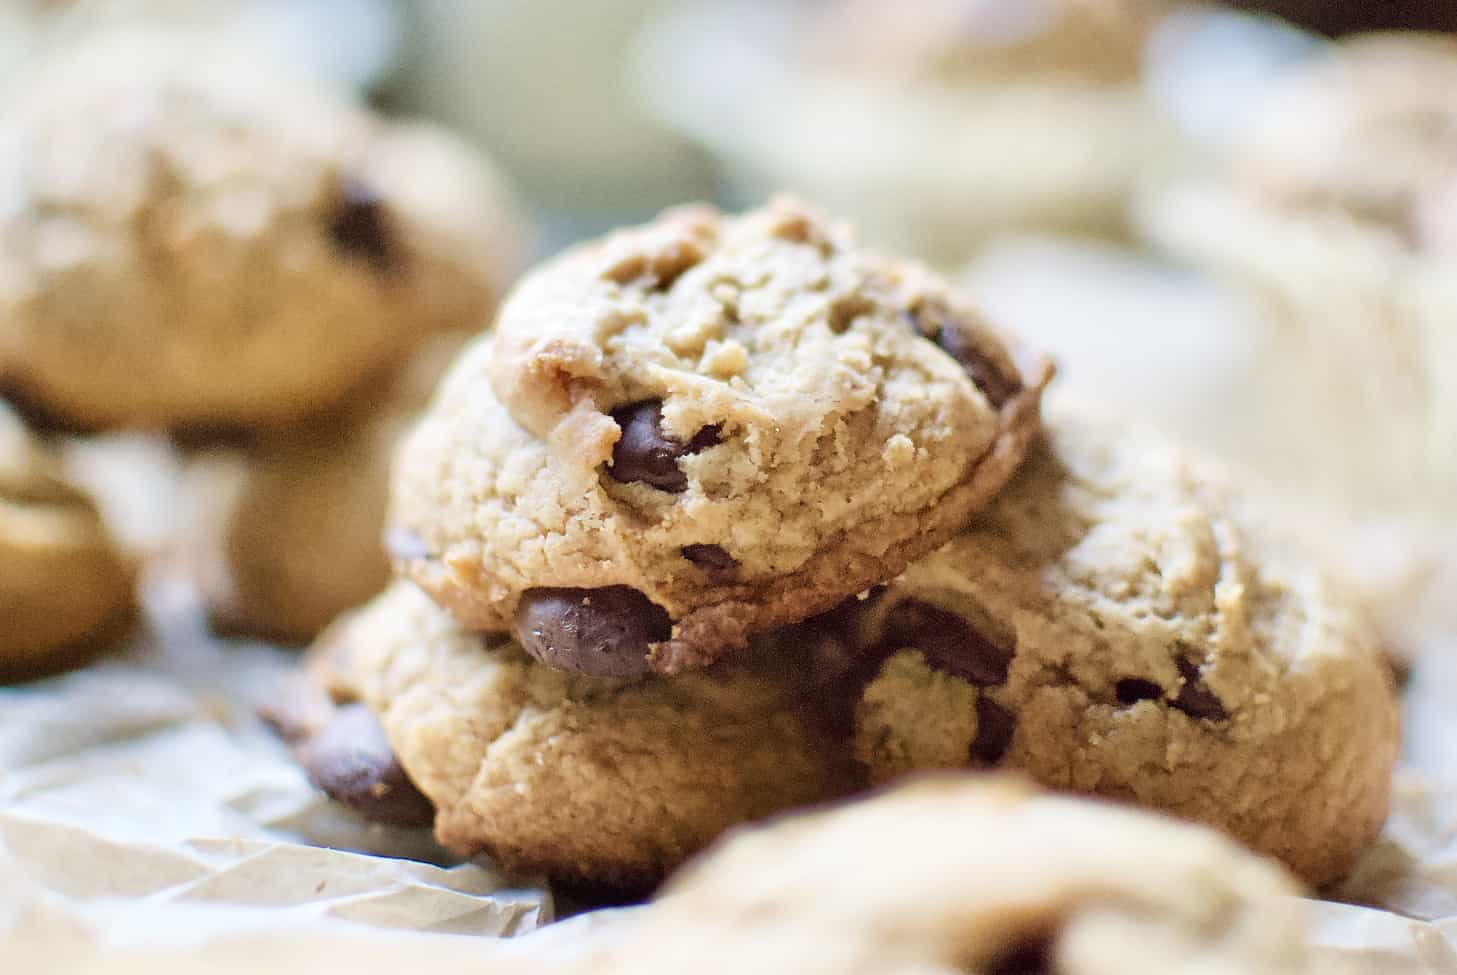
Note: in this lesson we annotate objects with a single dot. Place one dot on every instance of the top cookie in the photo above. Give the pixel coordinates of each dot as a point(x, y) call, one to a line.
point(975, 875)
point(696, 430)
point(188, 238)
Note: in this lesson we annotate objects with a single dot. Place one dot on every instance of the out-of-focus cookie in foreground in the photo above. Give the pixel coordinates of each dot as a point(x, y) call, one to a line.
point(693, 431)
point(972, 875)
point(193, 238)
point(65, 589)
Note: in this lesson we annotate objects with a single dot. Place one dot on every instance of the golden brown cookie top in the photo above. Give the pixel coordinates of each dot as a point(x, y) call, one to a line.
point(699, 429)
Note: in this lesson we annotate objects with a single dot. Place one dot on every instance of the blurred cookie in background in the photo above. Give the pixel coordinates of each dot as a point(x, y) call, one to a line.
point(191, 237)
point(1329, 210)
point(286, 534)
point(65, 589)
point(353, 43)
point(935, 126)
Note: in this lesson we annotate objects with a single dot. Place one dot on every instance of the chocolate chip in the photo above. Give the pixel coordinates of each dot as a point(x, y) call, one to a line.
point(947, 642)
point(1131, 690)
point(360, 227)
point(995, 726)
point(1339, 17)
point(1195, 698)
point(405, 545)
point(351, 761)
point(936, 321)
point(712, 559)
point(1031, 957)
point(831, 666)
point(995, 386)
point(603, 632)
point(645, 453)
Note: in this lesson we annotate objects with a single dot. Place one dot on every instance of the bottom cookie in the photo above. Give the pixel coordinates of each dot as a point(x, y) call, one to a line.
point(590, 780)
point(982, 875)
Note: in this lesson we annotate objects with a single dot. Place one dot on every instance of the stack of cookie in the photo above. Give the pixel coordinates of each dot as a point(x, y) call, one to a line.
point(194, 242)
point(731, 515)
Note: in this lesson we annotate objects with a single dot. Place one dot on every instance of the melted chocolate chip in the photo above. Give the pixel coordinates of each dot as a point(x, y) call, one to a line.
point(603, 632)
point(832, 666)
point(405, 545)
point(360, 227)
point(712, 559)
point(645, 453)
point(1131, 690)
point(352, 762)
point(947, 642)
point(995, 726)
point(1032, 957)
point(996, 387)
point(937, 322)
point(1195, 698)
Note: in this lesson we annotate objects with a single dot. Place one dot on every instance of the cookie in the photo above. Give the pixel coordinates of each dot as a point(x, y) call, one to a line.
point(976, 875)
point(962, 42)
point(190, 239)
point(64, 587)
point(590, 780)
point(700, 429)
point(1333, 210)
point(289, 529)
point(1120, 622)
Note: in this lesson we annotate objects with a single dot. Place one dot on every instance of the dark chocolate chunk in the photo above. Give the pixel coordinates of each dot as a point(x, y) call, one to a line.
point(947, 641)
point(360, 228)
point(603, 632)
point(995, 386)
point(645, 453)
point(1338, 17)
point(1131, 690)
point(995, 726)
point(1195, 698)
point(712, 559)
point(1031, 957)
point(352, 762)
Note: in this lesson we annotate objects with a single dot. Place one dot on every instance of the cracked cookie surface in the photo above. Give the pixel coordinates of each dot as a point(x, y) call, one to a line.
point(184, 242)
point(64, 586)
point(980, 875)
point(1120, 622)
point(696, 430)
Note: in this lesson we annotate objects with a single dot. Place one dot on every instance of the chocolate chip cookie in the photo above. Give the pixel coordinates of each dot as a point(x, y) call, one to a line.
point(190, 240)
point(587, 779)
point(975, 875)
point(64, 587)
point(1120, 622)
point(288, 533)
point(697, 430)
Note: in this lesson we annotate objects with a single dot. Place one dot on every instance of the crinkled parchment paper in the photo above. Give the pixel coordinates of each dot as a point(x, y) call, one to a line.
point(150, 822)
